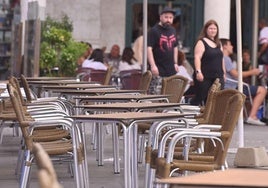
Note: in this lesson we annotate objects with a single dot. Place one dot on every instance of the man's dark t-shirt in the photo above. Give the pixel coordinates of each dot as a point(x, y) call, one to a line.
point(163, 41)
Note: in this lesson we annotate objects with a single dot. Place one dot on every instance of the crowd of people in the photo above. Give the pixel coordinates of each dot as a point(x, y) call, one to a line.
point(213, 58)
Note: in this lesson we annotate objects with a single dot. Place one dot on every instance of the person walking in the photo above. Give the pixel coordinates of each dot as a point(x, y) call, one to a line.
point(162, 50)
point(208, 62)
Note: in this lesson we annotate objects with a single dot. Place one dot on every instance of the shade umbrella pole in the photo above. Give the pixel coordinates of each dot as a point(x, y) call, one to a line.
point(255, 36)
point(239, 66)
point(145, 34)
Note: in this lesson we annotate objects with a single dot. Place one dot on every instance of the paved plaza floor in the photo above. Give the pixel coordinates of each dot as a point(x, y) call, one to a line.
point(103, 176)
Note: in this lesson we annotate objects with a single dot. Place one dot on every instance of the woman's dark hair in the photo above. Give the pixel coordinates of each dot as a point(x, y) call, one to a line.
point(128, 55)
point(97, 55)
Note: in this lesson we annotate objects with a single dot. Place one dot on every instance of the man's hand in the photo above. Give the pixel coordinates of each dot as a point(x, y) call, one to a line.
point(154, 70)
point(256, 71)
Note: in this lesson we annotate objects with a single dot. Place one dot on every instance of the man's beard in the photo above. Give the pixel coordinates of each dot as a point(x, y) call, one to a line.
point(166, 24)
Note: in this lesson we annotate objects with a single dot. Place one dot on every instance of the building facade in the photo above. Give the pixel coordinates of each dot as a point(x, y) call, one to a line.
point(105, 22)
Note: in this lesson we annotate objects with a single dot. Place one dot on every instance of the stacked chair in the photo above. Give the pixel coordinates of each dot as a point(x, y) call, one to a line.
point(145, 81)
point(172, 86)
point(100, 76)
point(199, 148)
point(47, 123)
point(135, 79)
point(130, 79)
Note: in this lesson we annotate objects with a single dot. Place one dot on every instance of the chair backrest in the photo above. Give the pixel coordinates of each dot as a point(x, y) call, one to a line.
point(47, 176)
point(89, 74)
point(145, 81)
point(219, 110)
point(130, 79)
point(219, 105)
point(108, 76)
point(21, 115)
point(27, 89)
point(81, 72)
point(230, 119)
point(174, 86)
point(15, 83)
point(204, 117)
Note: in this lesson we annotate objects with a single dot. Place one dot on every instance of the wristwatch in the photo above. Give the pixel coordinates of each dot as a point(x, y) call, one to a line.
point(197, 71)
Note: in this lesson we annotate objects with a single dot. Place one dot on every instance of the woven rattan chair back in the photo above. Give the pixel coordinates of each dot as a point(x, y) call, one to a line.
point(130, 79)
point(15, 83)
point(204, 116)
point(89, 74)
point(26, 88)
point(108, 76)
point(217, 162)
point(218, 112)
point(145, 81)
point(174, 86)
point(229, 122)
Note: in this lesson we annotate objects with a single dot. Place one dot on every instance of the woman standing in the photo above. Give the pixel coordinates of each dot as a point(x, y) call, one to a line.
point(208, 61)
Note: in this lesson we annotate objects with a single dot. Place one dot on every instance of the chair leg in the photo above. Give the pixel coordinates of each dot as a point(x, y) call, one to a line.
point(25, 171)
point(151, 178)
point(20, 159)
point(115, 138)
point(93, 140)
point(71, 170)
point(142, 141)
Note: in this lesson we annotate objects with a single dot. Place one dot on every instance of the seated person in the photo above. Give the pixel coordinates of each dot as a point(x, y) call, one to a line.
point(113, 58)
point(95, 61)
point(85, 55)
point(128, 61)
point(246, 64)
point(258, 92)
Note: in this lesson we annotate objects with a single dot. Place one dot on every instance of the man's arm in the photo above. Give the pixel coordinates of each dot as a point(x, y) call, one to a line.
point(252, 72)
point(176, 59)
point(151, 60)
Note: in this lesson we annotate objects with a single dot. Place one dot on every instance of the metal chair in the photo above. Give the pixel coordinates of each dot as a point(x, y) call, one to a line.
point(174, 86)
point(71, 147)
point(145, 81)
point(215, 159)
point(249, 98)
point(130, 79)
point(89, 74)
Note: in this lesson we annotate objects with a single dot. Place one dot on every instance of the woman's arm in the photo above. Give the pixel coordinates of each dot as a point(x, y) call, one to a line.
point(198, 53)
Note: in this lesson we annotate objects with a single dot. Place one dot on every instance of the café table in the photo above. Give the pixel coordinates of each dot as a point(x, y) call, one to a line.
point(39, 84)
point(128, 121)
point(242, 177)
point(76, 86)
point(125, 107)
point(119, 97)
point(130, 106)
point(113, 98)
point(49, 78)
point(58, 82)
point(90, 92)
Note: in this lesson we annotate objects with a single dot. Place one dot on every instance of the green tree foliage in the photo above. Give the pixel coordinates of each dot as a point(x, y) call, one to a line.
point(58, 48)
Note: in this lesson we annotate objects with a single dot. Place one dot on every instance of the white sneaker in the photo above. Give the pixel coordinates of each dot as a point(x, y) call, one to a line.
point(254, 121)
